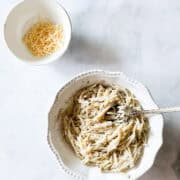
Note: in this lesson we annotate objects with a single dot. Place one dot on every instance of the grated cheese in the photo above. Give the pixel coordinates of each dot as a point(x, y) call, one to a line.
point(43, 38)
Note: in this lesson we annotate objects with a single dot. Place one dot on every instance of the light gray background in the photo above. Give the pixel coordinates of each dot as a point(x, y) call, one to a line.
point(140, 38)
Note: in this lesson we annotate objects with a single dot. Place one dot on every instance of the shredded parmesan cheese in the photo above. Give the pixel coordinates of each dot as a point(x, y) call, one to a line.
point(99, 130)
point(43, 38)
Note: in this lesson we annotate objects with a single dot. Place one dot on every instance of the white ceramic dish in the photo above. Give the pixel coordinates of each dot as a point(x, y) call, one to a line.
point(67, 159)
point(23, 16)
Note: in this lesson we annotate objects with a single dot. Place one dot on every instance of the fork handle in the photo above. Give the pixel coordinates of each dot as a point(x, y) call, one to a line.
point(161, 110)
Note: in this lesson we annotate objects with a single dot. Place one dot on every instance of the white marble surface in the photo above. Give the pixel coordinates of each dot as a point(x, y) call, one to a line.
point(140, 38)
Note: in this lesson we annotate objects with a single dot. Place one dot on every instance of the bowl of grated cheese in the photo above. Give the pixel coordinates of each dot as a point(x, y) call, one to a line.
point(38, 31)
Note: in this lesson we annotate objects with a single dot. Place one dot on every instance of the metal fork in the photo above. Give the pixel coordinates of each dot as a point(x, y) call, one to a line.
point(155, 111)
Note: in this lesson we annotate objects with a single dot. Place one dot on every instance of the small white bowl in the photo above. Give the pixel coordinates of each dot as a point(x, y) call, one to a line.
point(65, 155)
point(23, 16)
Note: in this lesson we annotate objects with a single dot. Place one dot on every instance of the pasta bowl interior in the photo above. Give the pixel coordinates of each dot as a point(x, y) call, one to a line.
point(65, 154)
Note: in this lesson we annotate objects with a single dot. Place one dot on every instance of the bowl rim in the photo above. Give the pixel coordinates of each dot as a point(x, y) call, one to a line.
point(36, 63)
point(79, 76)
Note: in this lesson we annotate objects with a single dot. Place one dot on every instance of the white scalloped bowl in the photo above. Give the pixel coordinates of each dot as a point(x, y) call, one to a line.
point(65, 155)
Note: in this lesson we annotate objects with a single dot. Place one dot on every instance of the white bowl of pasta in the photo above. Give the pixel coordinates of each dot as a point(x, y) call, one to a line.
point(91, 135)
